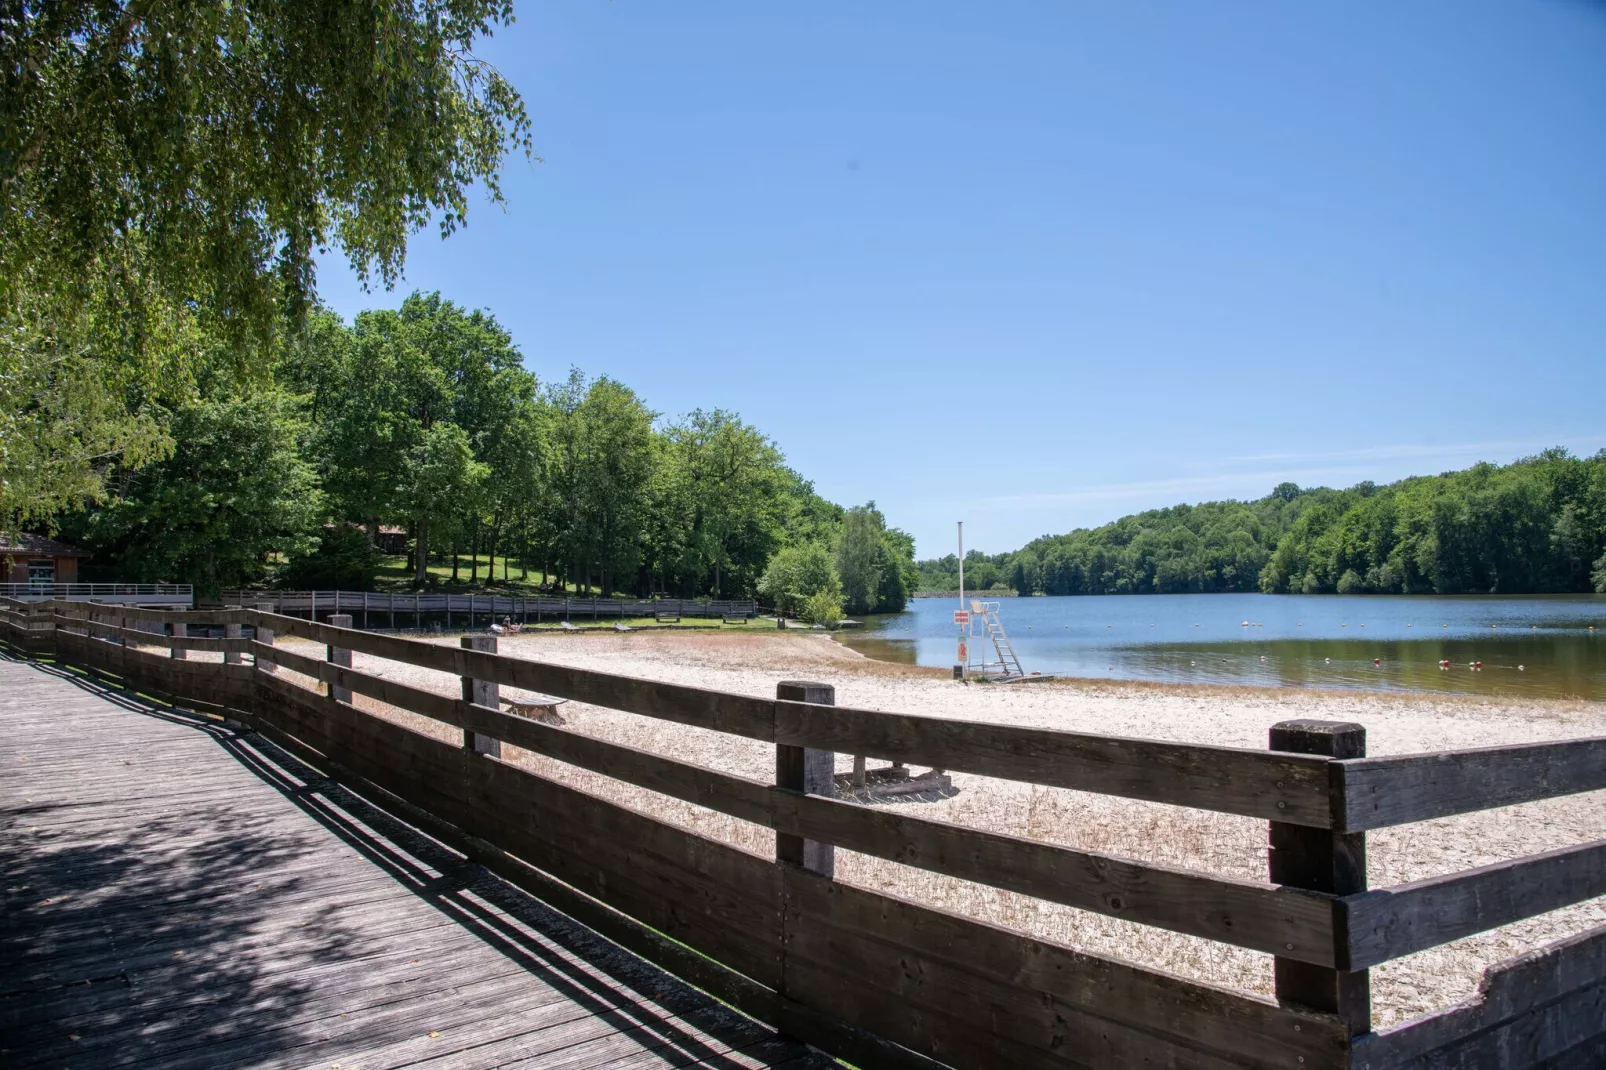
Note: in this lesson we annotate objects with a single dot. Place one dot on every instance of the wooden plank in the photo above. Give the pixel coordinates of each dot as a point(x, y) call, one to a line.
point(1323, 861)
point(738, 714)
point(725, 792)
point(1528, 1010)
point(1393, 922)
point(1380, 792)
point(392, 693)
point(1282, 787)
point(718, 899)
point(974, 994)
point(1263, 917)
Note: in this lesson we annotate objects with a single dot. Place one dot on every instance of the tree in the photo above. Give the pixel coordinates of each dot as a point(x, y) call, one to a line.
point(168, 171)
point(380, 387)
point(860, 558)
point(733, 486)
point(235, 493)
point(441, 478)
point(798, 573)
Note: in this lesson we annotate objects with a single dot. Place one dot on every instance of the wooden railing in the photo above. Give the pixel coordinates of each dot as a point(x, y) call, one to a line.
point(392, 610)
point(883, 981)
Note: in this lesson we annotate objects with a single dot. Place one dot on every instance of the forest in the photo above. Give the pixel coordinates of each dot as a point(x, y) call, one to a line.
point(425, 419)
point(1535, 526)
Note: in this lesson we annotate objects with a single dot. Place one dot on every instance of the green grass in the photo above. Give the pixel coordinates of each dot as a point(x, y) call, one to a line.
point(393, 575)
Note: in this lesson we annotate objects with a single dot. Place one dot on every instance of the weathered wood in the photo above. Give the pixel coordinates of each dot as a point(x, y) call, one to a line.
point(806, 771)
point(1321, 860)
point(339, 655)
point(978, 995)
point(177, 632)
point(232, 631)
point(1380, 792)
point(264, 642)
point(234, 929)
point(737, 714)
point(1528, 1010)
point(402, 696)
point(718, 899)
point(1262, 917)
point(483, 693)
point(1283, 787)
point(1393, 922)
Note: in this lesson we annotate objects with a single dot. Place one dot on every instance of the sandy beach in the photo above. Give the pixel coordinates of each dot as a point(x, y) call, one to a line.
point(1217, 843)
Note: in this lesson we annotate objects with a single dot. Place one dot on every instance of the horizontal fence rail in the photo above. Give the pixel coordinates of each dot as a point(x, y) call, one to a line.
point(883, 981)
point(392, 609)
point(157, 593)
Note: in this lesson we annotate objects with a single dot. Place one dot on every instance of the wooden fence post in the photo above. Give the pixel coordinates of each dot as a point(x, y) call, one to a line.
point(265, 637)
point(233, 631)
point(338, 656)
point(807, 770)
point(178, 630)
point(481, 693)
point(1323, 861)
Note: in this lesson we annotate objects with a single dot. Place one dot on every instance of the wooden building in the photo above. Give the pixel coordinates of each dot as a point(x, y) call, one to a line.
point(35, 559)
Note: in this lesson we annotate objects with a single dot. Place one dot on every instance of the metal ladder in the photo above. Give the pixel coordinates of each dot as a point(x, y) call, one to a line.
point(1007, 661)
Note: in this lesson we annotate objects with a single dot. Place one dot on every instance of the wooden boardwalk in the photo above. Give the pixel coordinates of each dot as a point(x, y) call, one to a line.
point(177, 895)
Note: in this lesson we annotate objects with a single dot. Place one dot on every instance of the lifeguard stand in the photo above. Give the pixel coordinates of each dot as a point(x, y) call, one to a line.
point(1004, 662)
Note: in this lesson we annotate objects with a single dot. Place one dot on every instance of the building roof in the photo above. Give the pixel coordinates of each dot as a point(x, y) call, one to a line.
point(38, 544)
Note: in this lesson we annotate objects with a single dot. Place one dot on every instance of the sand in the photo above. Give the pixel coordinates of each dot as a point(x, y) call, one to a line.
point(1216, 843)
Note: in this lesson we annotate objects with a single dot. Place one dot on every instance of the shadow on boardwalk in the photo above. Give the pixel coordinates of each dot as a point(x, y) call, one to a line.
point(162, 910)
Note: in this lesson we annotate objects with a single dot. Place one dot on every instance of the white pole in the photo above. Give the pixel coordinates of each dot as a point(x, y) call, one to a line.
point(961, 564)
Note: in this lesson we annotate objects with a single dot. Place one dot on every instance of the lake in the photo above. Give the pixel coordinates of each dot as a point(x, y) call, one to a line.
point(1538, 646)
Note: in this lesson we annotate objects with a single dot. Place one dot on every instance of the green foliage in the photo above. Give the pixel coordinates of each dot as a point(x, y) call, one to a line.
point(345, 560)
point(798, 573)
point(168, 171)
point(875, 563)
point(1598, 576)
point(235, 492)
point(858, 558)
point(822, 607)
point(1531, 526)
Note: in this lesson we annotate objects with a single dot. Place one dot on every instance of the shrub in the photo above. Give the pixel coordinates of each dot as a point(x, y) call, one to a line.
point(345, 560)
point(823, 607)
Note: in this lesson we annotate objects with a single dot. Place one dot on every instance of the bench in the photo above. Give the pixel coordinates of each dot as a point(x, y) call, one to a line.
point(735, 618)
point(667, 617)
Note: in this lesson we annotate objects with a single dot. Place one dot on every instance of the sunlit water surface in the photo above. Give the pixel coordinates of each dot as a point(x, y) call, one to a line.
point(1539, 646)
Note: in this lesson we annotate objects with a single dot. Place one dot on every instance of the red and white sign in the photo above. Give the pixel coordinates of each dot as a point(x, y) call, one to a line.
point(961, 616)
point(964, 653)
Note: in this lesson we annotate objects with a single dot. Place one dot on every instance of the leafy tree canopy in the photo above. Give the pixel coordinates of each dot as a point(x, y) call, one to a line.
point(1537, 525)
point(168, 171)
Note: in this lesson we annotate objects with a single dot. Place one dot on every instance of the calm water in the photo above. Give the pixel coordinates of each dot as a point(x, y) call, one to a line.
point(1289, 640)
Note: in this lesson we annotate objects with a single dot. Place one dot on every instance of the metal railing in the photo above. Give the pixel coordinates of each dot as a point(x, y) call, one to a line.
point(166, 593)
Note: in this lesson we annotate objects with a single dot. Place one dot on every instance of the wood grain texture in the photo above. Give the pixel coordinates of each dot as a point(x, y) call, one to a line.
point(975, 995)
point(1529, 1011)
point(1393, 922)
point(1281, 787)
point(197, 902)
point(1380, 792)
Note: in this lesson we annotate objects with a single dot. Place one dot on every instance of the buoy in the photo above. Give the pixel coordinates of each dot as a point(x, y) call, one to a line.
point(1494, 625)
point(1328, 660)
point(1246, 624)
point(1262, 657)
point(1522, 668)
point(1377, 661)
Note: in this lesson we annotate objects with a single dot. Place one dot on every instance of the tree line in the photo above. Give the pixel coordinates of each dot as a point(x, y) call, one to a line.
point(425, 418)
point(1537, 525)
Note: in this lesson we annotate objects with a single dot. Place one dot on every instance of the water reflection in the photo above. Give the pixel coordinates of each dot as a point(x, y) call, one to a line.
point(1527, 646)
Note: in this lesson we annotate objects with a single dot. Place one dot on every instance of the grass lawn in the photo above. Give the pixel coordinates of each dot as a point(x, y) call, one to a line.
point(393, 575)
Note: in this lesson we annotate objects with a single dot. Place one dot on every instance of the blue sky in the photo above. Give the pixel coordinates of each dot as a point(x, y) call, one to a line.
point(1036, 266)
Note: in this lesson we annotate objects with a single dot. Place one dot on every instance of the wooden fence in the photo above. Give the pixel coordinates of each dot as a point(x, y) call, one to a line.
point(395, 610)
point(883, 981)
